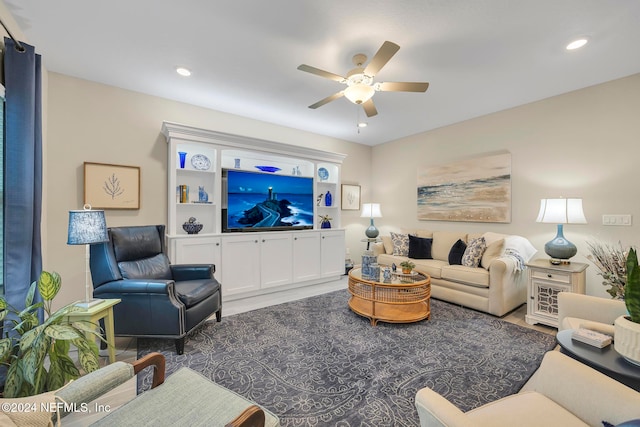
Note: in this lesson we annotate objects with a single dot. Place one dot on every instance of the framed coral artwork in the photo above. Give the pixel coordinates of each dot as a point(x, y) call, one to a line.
point(109, 186)
point(350, 197)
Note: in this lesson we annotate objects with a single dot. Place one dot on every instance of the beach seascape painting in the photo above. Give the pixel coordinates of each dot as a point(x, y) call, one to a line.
point(472, 190)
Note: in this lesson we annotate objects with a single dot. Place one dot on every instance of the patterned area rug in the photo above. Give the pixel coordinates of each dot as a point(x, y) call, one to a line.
point(314, 362)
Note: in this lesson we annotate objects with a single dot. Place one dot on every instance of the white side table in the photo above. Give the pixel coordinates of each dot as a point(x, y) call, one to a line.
point(545, 281)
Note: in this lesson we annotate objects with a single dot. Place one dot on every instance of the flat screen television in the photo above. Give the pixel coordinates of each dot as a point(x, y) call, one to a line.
point(257, 201)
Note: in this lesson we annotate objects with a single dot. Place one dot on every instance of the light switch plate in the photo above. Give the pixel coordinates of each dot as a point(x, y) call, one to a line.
point(616, 219)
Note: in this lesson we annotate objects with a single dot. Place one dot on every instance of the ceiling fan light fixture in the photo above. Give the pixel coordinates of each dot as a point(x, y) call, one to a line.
point(359, 93)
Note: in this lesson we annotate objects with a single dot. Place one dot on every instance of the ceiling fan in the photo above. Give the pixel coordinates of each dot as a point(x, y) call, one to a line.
point(360, 86)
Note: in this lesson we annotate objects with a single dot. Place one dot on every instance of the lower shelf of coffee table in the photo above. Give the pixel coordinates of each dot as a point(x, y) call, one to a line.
point(388, 312)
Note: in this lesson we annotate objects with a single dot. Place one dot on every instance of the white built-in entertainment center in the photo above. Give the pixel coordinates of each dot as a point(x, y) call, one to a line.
point(250, 262)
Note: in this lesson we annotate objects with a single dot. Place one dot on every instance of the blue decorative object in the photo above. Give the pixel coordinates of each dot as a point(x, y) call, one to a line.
point(369, 265)
point(560, 248)
point(323, 174)
point(268, 168)
point(387, 274)
point(183, 157)
point(200, 162)
point(192, 226)
point(394, 267)
point(325, 224)
point(202, 195)
point(328, 198)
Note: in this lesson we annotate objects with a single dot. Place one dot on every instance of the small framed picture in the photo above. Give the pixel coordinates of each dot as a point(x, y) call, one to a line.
point(111, 186)
point(350, 197)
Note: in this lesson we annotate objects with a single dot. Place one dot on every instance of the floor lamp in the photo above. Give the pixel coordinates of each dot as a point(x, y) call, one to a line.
point(87, 227)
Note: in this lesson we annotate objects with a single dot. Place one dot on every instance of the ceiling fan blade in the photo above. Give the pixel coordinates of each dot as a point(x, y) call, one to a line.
point(382, 56)
point(370, 108)
point(327, 100)
point(403, 87)
point(321, 73)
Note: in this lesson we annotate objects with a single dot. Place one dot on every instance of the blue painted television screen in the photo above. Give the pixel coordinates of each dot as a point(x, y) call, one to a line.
point(263, 201)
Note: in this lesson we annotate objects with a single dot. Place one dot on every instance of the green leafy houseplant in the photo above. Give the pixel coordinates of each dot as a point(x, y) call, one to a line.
point(632, 288)
point(407, 266)
point(627, 328)
point(37, 355)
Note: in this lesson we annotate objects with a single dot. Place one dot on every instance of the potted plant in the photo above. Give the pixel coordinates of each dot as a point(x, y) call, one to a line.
point(407, 266)
point(627, 328)
point(27, 344)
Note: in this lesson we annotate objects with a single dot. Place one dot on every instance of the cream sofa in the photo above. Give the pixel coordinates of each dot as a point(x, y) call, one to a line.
point(562, 392)
point(496, 286)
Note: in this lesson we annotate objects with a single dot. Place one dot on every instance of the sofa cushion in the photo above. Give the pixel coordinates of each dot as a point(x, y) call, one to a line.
point(456, 252)
point(493, 251)
point(388, 244)
point(433, 267)
point(400, 244)
point(473, 254)
point(191, 292)
point(420, 248)
point(468, 275)
point(491, 237)
point(523, 410)
point(443, 241)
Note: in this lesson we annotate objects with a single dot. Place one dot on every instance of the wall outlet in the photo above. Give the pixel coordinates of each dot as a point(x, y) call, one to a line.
point(616, 219)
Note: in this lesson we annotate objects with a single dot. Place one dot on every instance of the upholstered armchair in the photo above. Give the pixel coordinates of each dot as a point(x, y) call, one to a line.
point(562, 392)
point(587, 311)
point(159, 300)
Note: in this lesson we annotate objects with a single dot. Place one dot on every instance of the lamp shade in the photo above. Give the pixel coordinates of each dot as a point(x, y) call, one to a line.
point(561, 211)
point(86, 227)
point(359, 93)
point(371, 210)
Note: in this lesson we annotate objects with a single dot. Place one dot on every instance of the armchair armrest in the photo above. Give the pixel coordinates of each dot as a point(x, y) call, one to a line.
point(583, 391)
point(93, 385)
point(589, 308)
point(158, 362)
point(436, 411)
point(253, 416)
point(182, 272)
point(136, 286)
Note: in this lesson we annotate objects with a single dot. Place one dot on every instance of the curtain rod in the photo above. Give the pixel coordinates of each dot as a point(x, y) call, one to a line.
point(19, 46)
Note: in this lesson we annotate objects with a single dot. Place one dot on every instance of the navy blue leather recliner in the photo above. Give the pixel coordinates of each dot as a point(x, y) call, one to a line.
point(159, 300)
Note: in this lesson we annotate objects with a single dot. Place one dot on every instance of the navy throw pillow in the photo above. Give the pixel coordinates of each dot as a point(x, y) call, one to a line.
point(456, 252)
point(420, 247)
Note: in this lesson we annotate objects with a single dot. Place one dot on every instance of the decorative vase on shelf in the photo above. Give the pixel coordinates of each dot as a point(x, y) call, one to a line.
point(236, 163)
point(328, 198)
point(203, 197)
point(325, 224)
point(183, 157)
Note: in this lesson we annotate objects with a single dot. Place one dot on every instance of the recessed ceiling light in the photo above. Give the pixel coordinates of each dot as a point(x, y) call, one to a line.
point(577, 43)
point(185, 72)
point(362, 124)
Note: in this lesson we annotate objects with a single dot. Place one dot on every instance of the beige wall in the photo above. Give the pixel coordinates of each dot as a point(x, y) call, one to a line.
point(581, 144)
point(98, 123)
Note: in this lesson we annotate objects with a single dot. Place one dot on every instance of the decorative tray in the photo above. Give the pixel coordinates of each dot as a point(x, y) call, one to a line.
point(200, 162)
point(401, 274)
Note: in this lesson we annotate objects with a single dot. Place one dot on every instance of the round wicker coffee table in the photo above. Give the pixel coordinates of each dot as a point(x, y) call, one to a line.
point(403, 299)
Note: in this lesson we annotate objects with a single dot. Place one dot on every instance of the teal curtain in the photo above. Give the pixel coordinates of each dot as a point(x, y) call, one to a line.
point(23, 171)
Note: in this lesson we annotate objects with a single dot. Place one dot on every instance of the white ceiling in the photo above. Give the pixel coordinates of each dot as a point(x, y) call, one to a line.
point(480, 56)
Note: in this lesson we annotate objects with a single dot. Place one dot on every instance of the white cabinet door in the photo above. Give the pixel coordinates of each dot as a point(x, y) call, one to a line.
point(240, 264)
point(195, 250)
point(306, 256)
point(332, 253)
point(275, 259)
